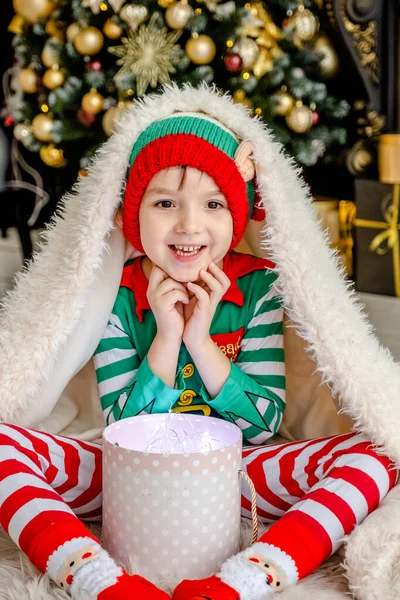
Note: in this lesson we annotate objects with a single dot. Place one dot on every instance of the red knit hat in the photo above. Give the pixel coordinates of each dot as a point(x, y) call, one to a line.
point(197, 141)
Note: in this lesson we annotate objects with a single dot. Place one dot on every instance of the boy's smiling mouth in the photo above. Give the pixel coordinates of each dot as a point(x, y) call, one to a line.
point(186, 252)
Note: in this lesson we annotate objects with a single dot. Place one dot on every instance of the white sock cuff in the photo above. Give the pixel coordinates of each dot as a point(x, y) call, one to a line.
point(65, 550)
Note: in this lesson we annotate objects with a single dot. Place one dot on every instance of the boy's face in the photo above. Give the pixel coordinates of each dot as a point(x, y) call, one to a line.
point(183, 209)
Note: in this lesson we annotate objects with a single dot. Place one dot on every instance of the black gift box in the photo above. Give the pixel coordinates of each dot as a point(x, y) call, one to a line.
point(376, 259)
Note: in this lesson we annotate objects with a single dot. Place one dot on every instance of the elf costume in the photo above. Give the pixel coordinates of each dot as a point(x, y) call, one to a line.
point(314, 491)
point(249, 310)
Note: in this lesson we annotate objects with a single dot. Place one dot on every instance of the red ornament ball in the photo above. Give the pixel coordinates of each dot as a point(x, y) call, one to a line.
point(87, 119)
point(94, 66)
point(233, 62)
point(9, 121)
point(314, 117)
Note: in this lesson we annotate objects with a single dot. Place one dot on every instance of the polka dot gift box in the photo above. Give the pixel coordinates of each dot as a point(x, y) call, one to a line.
point(171, 492)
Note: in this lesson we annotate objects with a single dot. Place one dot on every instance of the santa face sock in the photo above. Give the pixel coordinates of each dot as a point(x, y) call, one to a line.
point(82, 568)
point(87, 572)
point(259, 571)
point(254, 574)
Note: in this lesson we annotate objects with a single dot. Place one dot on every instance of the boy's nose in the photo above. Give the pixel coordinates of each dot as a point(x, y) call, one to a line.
point(188, 222)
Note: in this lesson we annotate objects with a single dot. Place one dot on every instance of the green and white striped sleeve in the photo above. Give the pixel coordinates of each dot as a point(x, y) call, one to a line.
point(253, 396)
point(127, 385)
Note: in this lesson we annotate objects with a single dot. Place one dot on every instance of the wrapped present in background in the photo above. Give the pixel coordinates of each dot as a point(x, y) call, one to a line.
point(377, 224)
point(337, 216)
point(374, 270)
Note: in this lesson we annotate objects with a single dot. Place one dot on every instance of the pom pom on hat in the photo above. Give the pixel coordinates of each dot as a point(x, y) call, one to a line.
point(243, 161)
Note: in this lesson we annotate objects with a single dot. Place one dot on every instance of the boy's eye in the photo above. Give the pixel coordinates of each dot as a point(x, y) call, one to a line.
point(213, 204)
point(164, 203)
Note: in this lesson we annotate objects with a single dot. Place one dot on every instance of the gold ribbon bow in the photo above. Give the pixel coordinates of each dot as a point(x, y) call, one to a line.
point(388, 239)
point(345, 244)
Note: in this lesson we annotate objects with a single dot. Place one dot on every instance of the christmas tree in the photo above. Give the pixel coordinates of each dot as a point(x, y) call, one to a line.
point(80, 63)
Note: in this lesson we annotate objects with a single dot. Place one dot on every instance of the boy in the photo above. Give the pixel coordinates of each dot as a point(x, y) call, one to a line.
point(182, 208)
point(195, 326)
point(178, 311)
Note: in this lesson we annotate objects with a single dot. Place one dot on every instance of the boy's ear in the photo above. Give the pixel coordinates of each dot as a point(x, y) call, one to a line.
point(130, 251)
point(118, 218)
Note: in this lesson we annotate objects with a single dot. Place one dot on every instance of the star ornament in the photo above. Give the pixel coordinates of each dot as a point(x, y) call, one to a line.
point(147, 55)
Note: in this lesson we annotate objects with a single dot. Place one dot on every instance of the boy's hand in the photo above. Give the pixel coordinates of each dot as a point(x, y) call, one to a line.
point(166, 298)
point(200, 310)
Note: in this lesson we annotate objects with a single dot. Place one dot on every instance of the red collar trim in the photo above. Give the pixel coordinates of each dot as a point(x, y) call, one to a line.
point(235, 265)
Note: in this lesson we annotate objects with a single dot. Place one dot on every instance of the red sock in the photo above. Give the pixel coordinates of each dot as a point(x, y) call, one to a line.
point(211, 588)
point(130, 587)
point(74, 559)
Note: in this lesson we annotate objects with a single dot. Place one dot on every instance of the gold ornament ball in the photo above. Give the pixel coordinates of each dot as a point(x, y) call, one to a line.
point(28, 80)
point(111, 116)
point(92, 102)
point(299, 119)
point(22, 132)
point(359, 105)
point(330, 61)
point(283, 103)
point(89, 41)
point(201, 49)
point(42, 126)
point(33, 10)
point(72, 31)
point(178, 14)
point(52, 156)
point(239, 96)
point(48, 58)
point(112, 30)
point(54, 30)
point(248, 51)
point(247, 102)
point(53, 78)
point(306, 24)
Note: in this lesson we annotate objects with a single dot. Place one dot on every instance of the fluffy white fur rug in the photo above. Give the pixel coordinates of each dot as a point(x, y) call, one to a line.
point(19, 580)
